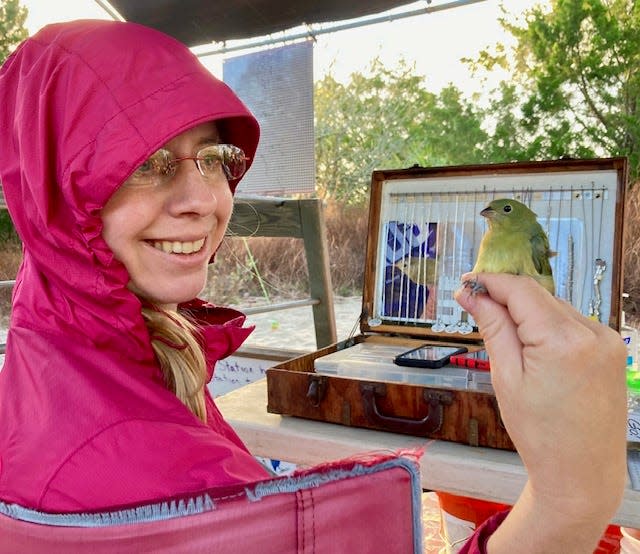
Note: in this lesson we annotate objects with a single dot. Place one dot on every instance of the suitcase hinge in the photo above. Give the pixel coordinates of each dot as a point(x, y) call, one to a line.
point(473, 435)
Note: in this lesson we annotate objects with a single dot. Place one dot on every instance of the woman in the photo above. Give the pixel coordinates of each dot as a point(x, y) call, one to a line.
point(102, 396)
point(120, 155)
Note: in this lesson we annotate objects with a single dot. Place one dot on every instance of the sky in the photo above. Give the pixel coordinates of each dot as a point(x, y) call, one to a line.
point(435, 42)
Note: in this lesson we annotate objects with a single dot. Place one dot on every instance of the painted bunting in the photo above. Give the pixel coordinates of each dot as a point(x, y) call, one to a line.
point(514, 243)
point(421, 270)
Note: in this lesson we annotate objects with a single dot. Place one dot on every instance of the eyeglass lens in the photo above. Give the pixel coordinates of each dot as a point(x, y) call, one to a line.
point(210, 160)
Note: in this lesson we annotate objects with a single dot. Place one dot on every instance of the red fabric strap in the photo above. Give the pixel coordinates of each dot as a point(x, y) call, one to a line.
point(477, 543)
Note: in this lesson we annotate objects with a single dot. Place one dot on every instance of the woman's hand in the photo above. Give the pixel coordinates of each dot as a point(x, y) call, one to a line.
point(560, 383)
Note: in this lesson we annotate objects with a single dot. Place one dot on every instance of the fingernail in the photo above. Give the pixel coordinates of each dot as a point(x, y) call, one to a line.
point(460, 292)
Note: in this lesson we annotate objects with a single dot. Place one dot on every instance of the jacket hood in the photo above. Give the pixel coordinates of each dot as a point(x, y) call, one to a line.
point(87, 420)
point(86, 103)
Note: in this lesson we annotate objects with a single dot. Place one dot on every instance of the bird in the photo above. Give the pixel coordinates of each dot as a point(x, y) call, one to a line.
point(422, 271)
point(419, 269)
point(514, 243)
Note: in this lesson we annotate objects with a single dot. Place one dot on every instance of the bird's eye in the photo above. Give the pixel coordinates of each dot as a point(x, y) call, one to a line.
point(507, 208)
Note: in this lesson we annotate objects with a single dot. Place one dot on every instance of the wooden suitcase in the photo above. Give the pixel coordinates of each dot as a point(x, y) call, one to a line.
point(424, 232)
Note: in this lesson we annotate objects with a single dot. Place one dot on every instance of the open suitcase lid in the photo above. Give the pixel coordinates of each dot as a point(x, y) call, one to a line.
point(425, 230)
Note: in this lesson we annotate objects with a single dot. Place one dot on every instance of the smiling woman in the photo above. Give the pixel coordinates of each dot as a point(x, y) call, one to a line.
point(121, 194)
point(164, 228)
point(164, 224)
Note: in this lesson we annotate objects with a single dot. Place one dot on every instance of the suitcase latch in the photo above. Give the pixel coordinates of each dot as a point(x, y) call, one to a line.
point(317, 389)
point(438, 397)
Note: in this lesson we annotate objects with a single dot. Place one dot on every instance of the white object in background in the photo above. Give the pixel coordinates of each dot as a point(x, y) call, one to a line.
point(456, 531)
point(630, 542)
point(633, 425)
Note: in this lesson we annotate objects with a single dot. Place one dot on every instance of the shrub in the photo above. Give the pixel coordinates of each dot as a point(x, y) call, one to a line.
point(277, 267)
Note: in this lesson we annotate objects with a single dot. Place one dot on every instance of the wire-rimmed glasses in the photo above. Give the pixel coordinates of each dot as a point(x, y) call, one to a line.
point(212, 161)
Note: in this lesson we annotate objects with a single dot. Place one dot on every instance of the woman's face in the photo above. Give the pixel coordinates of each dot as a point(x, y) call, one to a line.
point(165, 233)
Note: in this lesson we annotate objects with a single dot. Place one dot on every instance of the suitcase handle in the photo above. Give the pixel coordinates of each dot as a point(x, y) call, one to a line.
point(431, 423)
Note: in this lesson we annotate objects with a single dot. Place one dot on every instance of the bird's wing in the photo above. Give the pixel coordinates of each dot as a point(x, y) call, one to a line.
point(541, 253)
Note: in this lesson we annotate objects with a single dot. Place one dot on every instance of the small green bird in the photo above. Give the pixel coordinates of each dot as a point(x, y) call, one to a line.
point(421, 270)
point(514, 243)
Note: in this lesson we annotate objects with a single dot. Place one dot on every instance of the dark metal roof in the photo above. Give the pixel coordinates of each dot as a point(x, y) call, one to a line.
point(198, 22)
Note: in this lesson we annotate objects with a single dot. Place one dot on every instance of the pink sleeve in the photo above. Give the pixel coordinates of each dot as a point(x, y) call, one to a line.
point(477, 543)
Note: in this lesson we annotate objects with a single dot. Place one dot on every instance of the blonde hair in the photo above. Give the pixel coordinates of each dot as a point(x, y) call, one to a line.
point(181, 358)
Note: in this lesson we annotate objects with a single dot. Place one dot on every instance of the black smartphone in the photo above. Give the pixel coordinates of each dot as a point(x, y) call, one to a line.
point(473, 360)
point(428, 355)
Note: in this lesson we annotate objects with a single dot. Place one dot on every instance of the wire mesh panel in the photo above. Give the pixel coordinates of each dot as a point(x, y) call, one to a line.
point(277, 85)
point(429, 231)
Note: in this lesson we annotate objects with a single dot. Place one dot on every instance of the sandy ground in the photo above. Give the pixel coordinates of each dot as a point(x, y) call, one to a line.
point(290, 330)
point(294, 328)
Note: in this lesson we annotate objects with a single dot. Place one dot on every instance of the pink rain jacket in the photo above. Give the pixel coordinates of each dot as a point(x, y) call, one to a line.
point(86, 422)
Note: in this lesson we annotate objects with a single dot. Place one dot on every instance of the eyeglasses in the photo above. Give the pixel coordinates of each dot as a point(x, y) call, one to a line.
point(212, 161)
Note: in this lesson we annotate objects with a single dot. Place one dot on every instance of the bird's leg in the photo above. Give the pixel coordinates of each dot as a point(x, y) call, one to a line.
point(475, 286)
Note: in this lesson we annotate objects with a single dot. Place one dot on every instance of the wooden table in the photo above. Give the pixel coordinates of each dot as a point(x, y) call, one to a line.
point(483, 473)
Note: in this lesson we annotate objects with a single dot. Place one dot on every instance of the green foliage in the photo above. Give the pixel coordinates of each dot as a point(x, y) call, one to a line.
point(385, 120)
point(575, 86)
point(7, 231)
point(573, 91)
point(12, 30)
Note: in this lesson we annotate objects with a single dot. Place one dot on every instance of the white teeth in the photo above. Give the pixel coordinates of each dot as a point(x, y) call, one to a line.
point(177, 247)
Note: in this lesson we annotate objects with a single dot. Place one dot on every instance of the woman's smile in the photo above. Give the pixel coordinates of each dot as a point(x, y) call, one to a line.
point(178, 247)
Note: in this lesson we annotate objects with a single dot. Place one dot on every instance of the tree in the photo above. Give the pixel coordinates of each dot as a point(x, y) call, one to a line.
point(575, 86)
point(12, 32)
point(386, 120)
point(12, 29)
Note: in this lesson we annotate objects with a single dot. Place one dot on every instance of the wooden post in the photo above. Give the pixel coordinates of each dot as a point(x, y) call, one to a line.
point(317, 253)
point(287, 217)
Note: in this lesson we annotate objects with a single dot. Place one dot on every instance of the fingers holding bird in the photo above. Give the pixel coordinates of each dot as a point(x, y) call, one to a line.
point(553, 371)
point(540, 319)
point(514, 243)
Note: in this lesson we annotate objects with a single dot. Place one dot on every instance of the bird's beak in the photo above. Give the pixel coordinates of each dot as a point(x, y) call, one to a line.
point(488, 212)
